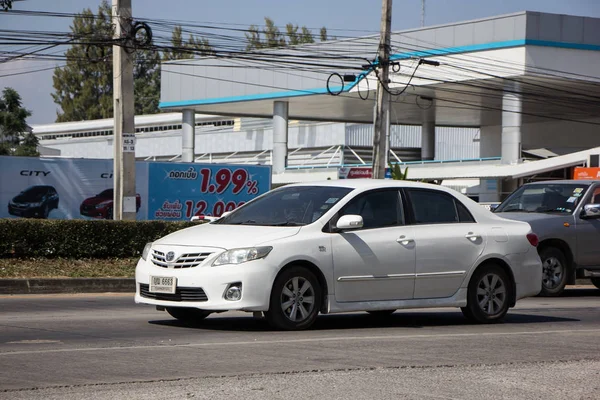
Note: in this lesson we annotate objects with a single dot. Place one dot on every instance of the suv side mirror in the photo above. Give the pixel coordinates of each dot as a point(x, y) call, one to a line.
point(591, 211)
point(349, 222)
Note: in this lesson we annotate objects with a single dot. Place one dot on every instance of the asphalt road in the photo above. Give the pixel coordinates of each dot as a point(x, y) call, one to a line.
point(106, 347)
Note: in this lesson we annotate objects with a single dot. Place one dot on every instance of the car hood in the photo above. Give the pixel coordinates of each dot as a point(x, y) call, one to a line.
point(26, 199)
point(532, 217)
point(227, 236)
point(92, 201)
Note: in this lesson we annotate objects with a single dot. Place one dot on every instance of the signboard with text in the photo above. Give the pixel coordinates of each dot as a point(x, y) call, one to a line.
point(586, 173)
point(57, 188)
point(180, 191)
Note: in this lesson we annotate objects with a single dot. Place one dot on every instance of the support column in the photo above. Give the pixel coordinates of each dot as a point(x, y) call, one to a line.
point(188, 136)
point(428, 133)
point(280, 136)
point(511, 125)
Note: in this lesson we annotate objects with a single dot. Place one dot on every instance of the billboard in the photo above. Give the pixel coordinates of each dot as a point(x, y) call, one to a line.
point(83, 189)
point(180, 191)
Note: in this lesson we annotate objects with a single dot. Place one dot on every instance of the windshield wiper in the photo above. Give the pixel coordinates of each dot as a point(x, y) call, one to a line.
point(557, 209)
point(287, 223)
point(247, 222)
point(514, 210)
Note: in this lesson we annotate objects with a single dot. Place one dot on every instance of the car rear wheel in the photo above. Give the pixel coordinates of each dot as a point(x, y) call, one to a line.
point(554, 272)
point(187, 315)
point(295, 299)
point(45, 211)
point(488, 295)
point(596, 282)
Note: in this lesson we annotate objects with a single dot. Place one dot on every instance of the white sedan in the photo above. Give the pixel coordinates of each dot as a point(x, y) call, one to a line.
point(349, 245)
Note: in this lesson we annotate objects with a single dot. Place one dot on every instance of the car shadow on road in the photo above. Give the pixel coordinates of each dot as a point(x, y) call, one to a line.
point(400, 319)
point(581, 292)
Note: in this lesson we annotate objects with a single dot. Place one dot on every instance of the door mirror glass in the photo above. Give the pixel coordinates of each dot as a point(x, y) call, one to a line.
point(350, 221)
point(591, 211)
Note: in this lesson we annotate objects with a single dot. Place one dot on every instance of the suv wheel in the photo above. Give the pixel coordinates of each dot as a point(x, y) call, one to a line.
point(554, 272)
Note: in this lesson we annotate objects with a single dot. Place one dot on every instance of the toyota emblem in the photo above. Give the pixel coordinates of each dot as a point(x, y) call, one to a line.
point(170, 256)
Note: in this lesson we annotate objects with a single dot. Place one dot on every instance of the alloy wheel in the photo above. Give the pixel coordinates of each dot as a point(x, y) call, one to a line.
point(552, 274)
point(491, 294)
point(297, 299)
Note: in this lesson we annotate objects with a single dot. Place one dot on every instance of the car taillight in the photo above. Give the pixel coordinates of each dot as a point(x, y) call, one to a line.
point(533, 239)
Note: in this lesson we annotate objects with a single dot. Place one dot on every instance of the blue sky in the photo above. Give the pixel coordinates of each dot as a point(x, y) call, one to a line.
point(361, 15)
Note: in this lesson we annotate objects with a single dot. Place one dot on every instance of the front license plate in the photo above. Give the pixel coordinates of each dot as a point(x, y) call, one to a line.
point(163, 284)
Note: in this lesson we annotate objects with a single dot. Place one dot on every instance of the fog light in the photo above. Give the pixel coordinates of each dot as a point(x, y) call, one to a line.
point(234, 292)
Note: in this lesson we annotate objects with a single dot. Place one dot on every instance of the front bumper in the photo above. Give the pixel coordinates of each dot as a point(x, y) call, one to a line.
point(255, 276)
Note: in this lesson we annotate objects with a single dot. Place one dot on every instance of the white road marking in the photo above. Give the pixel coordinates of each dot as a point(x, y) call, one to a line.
point(306, 340)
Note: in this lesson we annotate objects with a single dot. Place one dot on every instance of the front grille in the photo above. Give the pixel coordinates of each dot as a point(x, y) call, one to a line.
point(189, 260)
point(181, 294)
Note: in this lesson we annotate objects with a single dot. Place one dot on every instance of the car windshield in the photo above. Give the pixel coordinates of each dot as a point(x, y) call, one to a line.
point(288, 206)
point(544, 198)
point(34, 193)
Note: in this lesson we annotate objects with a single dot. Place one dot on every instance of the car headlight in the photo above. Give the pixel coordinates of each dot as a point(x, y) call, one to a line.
point(238, 256)
point(146, 251)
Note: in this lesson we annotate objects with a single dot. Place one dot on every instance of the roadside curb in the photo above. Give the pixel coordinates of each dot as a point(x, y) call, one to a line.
point(66, 285)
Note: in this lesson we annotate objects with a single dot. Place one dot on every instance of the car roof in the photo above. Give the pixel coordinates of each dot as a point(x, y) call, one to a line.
point(566, 181)
point(367, 183)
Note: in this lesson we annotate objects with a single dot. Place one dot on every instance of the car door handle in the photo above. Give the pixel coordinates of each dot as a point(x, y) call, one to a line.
point(403, 240)
point(472, 236)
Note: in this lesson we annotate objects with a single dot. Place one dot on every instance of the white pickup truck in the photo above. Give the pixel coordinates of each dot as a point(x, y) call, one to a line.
point(566, 217)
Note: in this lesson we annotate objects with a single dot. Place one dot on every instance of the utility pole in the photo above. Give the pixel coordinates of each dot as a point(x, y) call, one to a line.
point(124, 204)
point(381, 125)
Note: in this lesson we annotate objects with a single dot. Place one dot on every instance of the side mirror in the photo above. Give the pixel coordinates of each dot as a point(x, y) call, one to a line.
point(591, 211)
point(493, 207)
point(349, 222)
point(226, 213)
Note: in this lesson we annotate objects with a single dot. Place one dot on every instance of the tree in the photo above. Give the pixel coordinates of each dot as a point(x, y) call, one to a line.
point(83, 88)
point(15, 135)
point(272, 37)
point(179, 50)
point(6, 4)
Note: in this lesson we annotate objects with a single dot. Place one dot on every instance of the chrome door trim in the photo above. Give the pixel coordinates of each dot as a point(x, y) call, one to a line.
point(357, 278)
point(440, 274)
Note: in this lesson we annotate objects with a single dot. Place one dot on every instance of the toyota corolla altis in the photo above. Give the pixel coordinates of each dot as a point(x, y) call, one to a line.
point(349, 245)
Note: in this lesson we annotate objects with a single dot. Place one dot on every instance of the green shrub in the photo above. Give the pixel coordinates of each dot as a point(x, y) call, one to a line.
point(26, 238)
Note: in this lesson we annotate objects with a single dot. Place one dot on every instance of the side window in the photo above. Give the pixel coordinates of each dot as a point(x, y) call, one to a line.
point(463, 214)
point(595, 197)
point(379, 209)
point(433, 207)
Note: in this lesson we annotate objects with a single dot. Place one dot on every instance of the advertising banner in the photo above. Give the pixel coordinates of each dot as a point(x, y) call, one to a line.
point(180, 191)
point(83, 189)
point(586, 173)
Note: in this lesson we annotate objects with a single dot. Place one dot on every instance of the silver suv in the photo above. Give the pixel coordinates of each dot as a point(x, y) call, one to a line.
point(566, 217)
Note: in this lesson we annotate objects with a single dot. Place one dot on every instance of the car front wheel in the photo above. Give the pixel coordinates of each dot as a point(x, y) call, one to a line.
point(187, 315)
point(554, 272)
point(295, 299)
point(488, 295)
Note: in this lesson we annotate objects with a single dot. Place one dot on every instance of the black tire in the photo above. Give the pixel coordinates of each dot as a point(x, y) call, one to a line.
point(284, 309)
point(45, 211)
point(381, 313)
point(488, 295)
point(187, 315)
point(109, 213)
point(596, 282)
point(555, 272)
